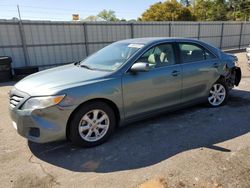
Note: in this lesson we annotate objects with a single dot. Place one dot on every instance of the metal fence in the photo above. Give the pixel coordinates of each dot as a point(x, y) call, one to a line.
point(46, 44)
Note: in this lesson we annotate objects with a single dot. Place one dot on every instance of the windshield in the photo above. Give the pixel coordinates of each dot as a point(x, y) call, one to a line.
point(111, 57)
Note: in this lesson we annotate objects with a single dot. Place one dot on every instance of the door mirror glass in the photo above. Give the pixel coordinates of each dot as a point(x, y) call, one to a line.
point(140, 67)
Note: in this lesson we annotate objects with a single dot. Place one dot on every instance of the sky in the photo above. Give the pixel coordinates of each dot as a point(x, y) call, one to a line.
point(62, 10)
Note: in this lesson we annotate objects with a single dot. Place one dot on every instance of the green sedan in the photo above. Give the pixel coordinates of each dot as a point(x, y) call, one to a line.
point(126, 81)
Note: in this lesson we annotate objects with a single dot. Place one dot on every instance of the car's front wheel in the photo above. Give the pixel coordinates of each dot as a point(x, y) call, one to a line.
point(92, 124)
point(218, 94)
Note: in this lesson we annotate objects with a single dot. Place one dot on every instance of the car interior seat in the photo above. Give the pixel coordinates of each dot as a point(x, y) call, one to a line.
point(197, 55)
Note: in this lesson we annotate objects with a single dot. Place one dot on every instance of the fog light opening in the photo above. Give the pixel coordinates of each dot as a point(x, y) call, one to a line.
point(34, 132)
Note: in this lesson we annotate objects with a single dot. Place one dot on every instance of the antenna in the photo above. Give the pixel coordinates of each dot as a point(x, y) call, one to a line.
point(19, 14)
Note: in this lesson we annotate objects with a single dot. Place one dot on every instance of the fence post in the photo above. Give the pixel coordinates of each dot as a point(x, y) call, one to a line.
point(169, 29)
point(241, 28)
point(86, 38)
point(221, 36)
point(23, 38)
point(132, 30)
point(24, 45)
point(199, 30)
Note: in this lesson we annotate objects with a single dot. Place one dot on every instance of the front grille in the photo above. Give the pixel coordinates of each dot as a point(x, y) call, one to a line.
point(15, 100)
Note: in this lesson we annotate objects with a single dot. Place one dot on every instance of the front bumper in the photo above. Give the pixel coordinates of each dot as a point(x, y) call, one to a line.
point(41, 126)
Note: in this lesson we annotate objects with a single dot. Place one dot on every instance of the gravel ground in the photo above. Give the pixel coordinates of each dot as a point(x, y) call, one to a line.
point(194, 147)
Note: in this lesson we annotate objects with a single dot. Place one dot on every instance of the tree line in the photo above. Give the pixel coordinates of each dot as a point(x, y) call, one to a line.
point(187, 10)
point(198, 10)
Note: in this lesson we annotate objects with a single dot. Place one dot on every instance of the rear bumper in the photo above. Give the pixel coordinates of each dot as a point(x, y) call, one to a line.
point(40, 126)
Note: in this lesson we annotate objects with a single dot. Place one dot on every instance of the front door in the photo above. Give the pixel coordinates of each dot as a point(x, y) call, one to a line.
point(157, 88)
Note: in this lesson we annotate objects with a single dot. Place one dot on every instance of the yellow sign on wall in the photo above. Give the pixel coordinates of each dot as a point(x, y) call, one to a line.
point(75, 17)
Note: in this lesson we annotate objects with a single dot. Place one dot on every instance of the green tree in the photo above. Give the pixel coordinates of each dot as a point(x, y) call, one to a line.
point(239, 10)
point(167, 11)
point(133, 20)
point(210, 10)
point(201, 9)
point(123, 20)
point(218, 11)
point(108, 15)
point(91, 18)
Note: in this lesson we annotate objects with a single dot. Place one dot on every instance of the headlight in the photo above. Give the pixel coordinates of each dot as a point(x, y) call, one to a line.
point(42, 102)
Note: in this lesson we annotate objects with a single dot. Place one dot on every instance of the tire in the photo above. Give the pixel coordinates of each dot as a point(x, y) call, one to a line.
point(5, 60)
point(220, 95)
point(84, 122)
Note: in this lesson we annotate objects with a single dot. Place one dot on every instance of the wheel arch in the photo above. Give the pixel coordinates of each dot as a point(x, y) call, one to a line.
point(221, 77)
point(107, 101)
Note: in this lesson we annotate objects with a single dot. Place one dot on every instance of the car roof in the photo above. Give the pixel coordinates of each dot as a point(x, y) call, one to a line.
point(150, 40)
point(153, 40)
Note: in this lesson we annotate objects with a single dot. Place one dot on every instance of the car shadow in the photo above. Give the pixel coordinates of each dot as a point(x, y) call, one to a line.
point(151, 141)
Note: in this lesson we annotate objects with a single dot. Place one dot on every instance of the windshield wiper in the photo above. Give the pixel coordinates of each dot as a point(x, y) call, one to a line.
point(86, 67)
point(77, 62)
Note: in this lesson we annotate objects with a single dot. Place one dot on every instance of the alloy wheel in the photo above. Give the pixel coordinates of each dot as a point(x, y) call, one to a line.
point(217, 94)
point(93, 125)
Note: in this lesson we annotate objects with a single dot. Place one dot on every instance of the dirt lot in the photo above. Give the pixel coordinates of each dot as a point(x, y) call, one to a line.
point(194, 147)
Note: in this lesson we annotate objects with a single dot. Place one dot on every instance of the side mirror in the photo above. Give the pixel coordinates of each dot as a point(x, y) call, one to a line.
point(140, 67)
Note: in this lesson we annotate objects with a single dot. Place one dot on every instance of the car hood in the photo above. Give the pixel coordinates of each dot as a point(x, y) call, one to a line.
point(54, 80)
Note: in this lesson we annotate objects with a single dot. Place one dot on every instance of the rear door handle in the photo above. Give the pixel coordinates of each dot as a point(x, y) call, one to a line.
point(175, 73)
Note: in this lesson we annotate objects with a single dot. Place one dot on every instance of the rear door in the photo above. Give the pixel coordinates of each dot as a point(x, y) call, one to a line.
point(199, 70)
point(157, 88)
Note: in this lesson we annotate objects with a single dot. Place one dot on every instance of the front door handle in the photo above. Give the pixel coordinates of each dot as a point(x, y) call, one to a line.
point(175, 73)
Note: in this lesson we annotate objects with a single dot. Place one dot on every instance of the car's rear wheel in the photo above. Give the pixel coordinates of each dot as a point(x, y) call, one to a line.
point(92, 124)
point(218, 94)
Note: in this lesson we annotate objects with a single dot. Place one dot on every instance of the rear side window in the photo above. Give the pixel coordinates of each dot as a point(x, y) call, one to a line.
point(192, 53)
point(209, 55)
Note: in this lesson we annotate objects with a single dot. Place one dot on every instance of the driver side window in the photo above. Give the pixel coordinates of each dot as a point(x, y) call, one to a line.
point(159, 56)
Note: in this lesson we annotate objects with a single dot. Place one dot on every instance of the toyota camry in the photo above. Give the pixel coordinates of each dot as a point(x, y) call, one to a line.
point(125, 81)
